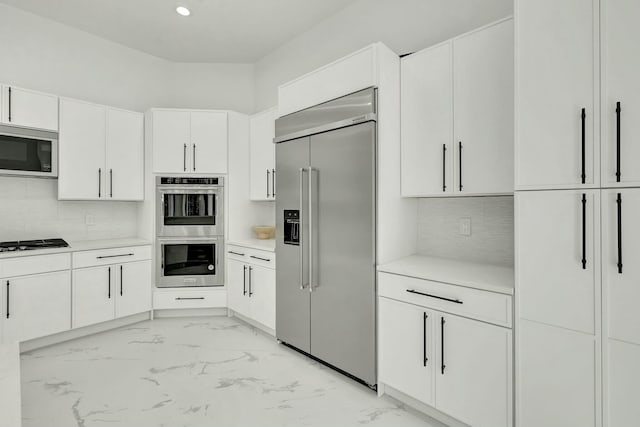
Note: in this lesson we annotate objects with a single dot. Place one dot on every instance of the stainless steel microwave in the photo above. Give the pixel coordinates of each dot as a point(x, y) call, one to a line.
point(28, 152)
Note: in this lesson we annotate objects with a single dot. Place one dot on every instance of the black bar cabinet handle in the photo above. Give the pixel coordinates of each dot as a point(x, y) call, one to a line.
point(583, 117)
point(273, 183)
point(250, 280)
point(260, 258)
point(187, 298)
point(113, 256)
point(99, 182)
point(619, 202)
point(109, 283)
point(121, 281)
point(584, 231)
point(110, 182)
point(425, 359)
point(236, 253)
point(618, 111)
point(444, 167)
point(8, 285)
point(442, 365)
point(268, 174)
point(184, 157)
point(194, 157)
point(460, 163)
point(10, 104)
point(412, 291)
point(244, 281)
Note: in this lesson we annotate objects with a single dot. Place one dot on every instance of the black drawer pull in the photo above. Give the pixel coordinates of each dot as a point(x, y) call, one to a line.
point(187, 298)
point(411, 291)
point(236, 253)
point(113, 256)
point(261, 259)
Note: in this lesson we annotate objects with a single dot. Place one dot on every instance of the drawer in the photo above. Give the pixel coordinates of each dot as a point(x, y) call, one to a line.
point(27, 265)
point(473, 303)
point(111, 256)
point(176, 299)
point(252, 256)
point(238, 253)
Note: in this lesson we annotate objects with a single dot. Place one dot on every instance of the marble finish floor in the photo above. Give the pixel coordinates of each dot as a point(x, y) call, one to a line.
point(213, 371)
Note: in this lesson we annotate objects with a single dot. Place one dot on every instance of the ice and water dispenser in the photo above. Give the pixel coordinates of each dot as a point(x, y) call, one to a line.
point(292, 227)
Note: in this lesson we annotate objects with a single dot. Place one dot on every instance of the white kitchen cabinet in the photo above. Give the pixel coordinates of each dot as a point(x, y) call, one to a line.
point(622, 386)
point(427, 122)
point(262, 155)
point(558, 257)
point(133, 288)
point(556, 377)
point(406, 358)
point(237, 286)
point(124, 155)
point(483, 110)
point(474, 371)
point(93, 295)
point(556, 77)
point(620, 68)
point(262, 295)
point(35, 306)
point(100, 153)
point(28, 108)
point(189, 141)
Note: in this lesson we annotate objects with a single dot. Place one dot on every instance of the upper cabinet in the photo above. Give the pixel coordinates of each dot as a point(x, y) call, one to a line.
point(457, 116)
point(556, 103)
point(262, 155)
point(101, 152)
point(189, 141)
point(28, 108)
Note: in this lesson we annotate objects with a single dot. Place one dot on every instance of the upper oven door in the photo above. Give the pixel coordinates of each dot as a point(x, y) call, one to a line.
point(190, 212)
point(28, 155)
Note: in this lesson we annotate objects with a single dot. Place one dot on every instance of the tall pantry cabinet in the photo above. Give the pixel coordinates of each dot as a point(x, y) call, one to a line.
point(577, 114)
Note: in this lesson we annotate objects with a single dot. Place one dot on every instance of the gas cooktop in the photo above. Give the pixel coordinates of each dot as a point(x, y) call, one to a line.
point(28, 245)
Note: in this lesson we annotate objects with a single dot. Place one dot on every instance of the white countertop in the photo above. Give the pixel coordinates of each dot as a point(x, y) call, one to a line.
point(11, 415)
point(494, 278)
point(263, 245)
point(85, 245)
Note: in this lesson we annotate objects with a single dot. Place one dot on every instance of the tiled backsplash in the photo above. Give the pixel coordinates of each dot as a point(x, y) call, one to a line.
point(29, 208)
point(491, 238)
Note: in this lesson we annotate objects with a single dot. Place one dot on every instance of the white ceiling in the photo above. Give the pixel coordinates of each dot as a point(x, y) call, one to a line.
point(216, 31)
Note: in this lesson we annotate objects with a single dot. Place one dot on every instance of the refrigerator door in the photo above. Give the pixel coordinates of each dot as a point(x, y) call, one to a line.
point(342, 225)
point(292, 302)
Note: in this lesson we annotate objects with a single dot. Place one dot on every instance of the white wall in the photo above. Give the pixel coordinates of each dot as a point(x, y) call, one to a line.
point(403, 25)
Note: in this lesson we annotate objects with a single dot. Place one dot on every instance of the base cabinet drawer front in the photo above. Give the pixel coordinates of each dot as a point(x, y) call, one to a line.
point(474, 371)
point(93, 295)
point(28, 265)
point(623, 385)
point(189, 299)
point(556, 377)
point(111, 256)
point(482, 305)
point(36, 306)
point(262, 258)
point(133, 288)
point(237, 253)
point(406, 359)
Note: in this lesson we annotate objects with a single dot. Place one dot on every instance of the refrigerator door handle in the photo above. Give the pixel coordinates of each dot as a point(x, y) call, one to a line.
point(311, 242)
point(301, 242)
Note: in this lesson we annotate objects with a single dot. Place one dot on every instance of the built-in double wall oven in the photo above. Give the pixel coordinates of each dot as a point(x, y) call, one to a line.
point(190, 230)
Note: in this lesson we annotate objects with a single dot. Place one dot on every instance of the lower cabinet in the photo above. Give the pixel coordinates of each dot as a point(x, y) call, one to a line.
point(623, 384)
point(36, 306)
point(107, 292)
point(251, 282)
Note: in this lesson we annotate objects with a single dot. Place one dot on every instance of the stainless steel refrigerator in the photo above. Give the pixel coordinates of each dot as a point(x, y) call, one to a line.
point(326, 233)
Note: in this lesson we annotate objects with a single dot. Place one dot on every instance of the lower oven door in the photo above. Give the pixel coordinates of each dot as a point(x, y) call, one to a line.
point(190, 262)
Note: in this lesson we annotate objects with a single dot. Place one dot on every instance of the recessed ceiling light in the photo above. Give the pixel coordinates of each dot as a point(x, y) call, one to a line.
point(183, 11)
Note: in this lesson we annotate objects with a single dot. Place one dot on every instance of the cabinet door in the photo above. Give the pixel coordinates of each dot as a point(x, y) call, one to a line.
point(406, 361)
point(237, 291)
point(556, 377)
point(474, 371)
point(427, 123)
point(262, 155)
point(621, 286)
point(23, 107)
point(125, 155)
point(556, 77)
point(82, 174)
point(621, 68)
point(209, 142)
point(262, 295)
point(555, 286)
point(93, 295)
point(133, 290)
point(37, 306)
point(171, 141)
point(623, 385)
point(483, 110)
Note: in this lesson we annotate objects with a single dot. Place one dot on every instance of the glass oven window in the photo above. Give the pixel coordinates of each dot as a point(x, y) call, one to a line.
point(25, 154)
point(189, 259)
point(189, 209)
